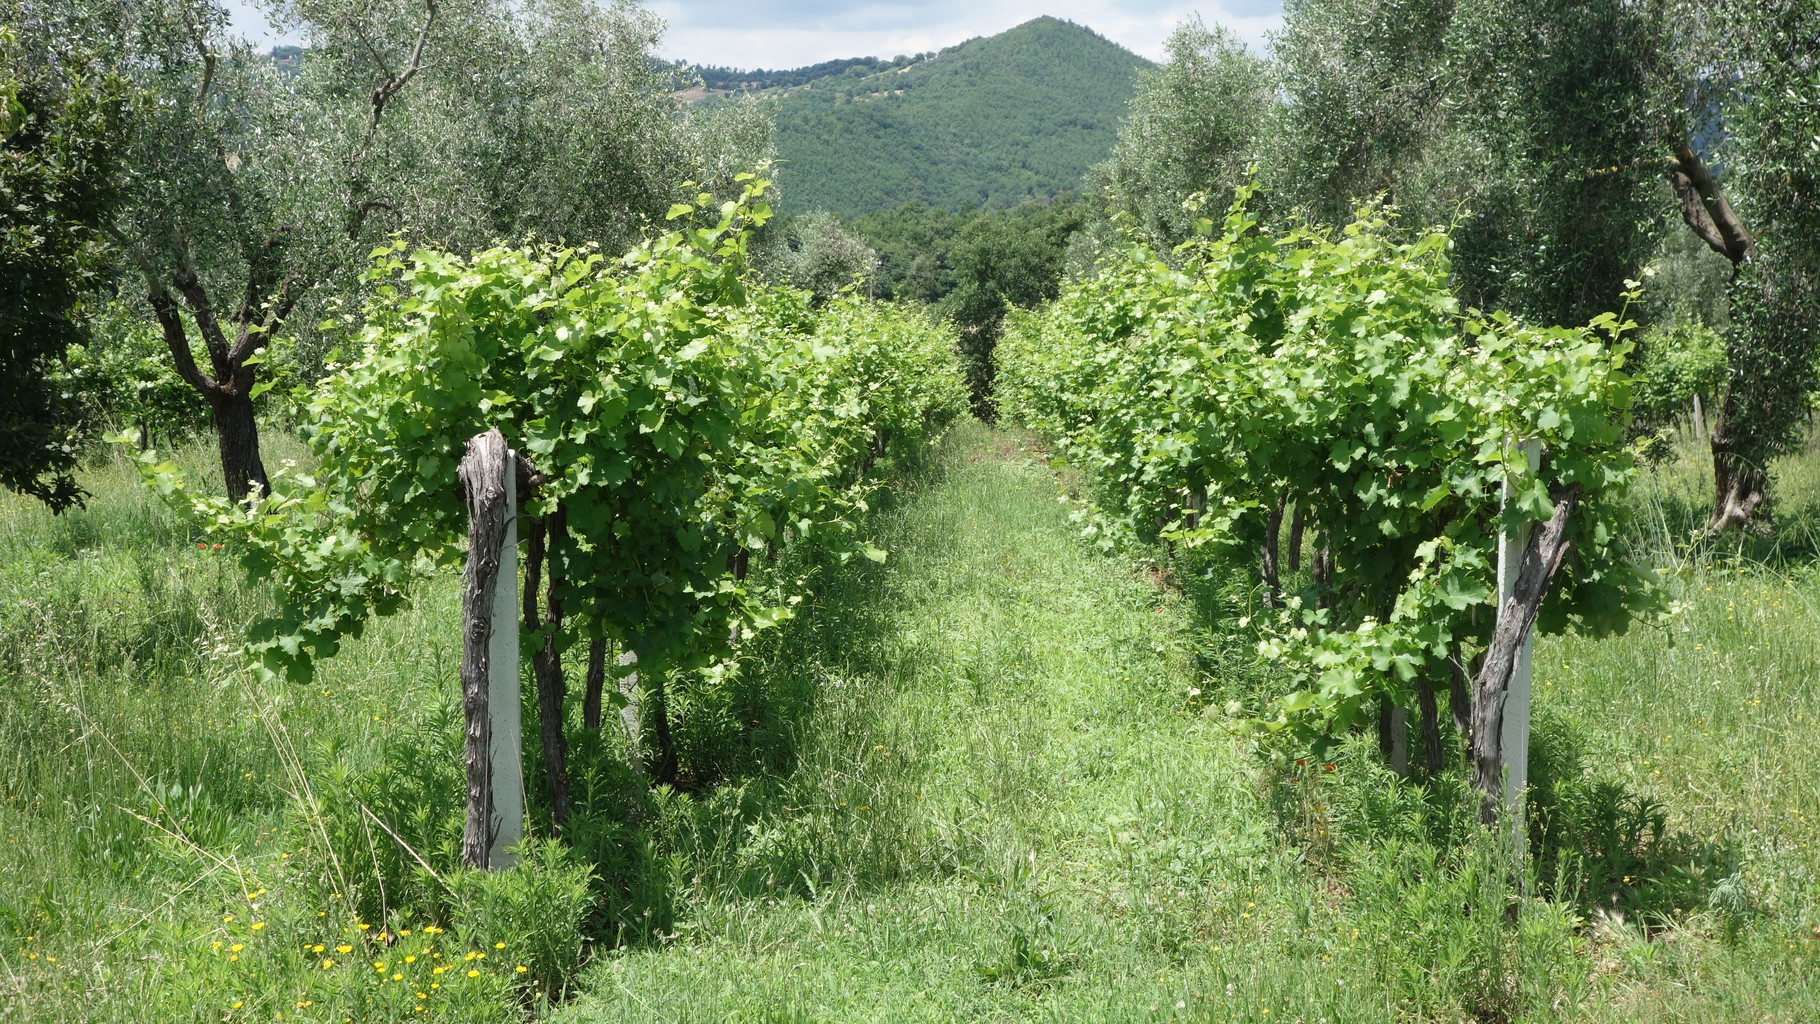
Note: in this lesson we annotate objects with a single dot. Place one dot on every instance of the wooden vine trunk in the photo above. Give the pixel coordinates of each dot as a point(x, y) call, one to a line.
point(1273, 528)
point(592, 695)
point(546, 658)
point(1740, 486)
point(1459, 700)
point(489, 656)
point(1296, 525)
point(629, 712)
point(1433, 754)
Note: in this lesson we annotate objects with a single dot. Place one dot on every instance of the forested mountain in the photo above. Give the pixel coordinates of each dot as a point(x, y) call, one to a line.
point(722, 79)
point(990, 122)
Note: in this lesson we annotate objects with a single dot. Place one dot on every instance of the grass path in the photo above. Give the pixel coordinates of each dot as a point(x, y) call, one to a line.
point(1004, 810)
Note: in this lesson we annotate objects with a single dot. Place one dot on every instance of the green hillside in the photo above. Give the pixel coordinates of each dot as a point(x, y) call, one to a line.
point(992, 122)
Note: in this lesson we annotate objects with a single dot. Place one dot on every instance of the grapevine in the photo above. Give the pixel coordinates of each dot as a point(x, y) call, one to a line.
point(677, 414)
point(1258, 385)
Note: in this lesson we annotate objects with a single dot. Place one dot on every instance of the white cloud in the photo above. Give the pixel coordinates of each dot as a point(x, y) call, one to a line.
point(781, 34)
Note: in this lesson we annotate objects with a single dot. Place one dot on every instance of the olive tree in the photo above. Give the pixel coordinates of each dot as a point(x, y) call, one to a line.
point(821, 256)
point(1193, 127)
point(1742, 88)
point(1524, 122)
point(256, 196)
point(1365, 88)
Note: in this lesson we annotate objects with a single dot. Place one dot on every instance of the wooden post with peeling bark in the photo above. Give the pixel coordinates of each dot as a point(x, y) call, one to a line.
point(489, 655)
point(1513, 740)
point(1527, 562)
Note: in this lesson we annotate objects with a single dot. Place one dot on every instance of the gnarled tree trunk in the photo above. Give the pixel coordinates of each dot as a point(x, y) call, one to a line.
point(1740, 485)
point(237, 438)
point(1273, 529)
point(630, 713)
point(597, 679)
point(228, 385)
point(1432, 753)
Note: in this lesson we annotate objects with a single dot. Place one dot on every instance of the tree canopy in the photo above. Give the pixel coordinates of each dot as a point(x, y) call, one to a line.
point(61, 113)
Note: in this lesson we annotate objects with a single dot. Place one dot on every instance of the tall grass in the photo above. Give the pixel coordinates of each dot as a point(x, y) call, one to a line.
point(973, 783)
point(166, 855)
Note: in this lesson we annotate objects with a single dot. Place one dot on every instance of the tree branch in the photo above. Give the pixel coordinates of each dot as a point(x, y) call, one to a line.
point(208, 61)
point(389, 88)
point(362, 211)
point(170, 320)
point(1705, 209)
point(189, 285)
point(164, 307)
point(266, 300)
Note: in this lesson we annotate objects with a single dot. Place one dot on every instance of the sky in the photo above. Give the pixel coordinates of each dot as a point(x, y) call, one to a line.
point(794, 33)
point(778, 34)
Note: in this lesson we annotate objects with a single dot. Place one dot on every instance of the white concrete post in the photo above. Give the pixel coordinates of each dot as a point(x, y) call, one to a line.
point(503, 705)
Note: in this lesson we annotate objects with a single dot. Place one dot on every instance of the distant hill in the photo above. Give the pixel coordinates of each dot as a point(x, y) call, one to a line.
point(722, 80)
point(991, 122)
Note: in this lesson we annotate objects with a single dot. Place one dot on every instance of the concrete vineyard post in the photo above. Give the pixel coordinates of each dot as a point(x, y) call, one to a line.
point(503, 704)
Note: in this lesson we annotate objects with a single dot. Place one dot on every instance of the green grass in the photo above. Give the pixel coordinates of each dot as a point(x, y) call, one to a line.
point(150, 789)
point(969, 784)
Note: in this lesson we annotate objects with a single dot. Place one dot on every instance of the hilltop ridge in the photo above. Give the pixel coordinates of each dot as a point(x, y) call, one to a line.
point(991, 122)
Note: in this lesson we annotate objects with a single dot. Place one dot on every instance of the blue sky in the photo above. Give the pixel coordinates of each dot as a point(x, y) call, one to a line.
point(793, 33)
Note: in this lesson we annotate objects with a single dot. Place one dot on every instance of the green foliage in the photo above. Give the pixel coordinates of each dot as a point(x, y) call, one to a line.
point(679, 412)
point(1554, 152)
point(990, 122)
point(1193, 127)
point(1772, 154)
point(823, 258)
point(973, 266)
point(1686, 281)
point(548, 118)
point(123, 378)
point(533, 912)
point(1004, 261)
point(61, 114)
point(385, 833)
point(1340, 374)
point(1531, 124)
point(714, 77)
point(1770, 370)
point(1453, 951)
point(255, 185)
point(1677, 362)
point(920, 249)
point(1364, 85)
point(960, 694)
point(914, 243)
